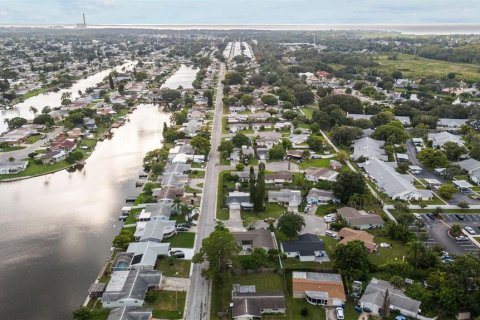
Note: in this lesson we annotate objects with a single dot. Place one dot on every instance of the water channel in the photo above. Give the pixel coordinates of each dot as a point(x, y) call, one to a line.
point(56, 230)
point(53, 99)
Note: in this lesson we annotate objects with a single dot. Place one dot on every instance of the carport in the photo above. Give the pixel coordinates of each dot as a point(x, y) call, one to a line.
point(462, 185)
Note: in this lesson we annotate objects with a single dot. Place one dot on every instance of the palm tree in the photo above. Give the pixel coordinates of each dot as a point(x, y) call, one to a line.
point(66, 98)
point(456, 230)
point(177, 206)
point(414, 249)
point(33, 110)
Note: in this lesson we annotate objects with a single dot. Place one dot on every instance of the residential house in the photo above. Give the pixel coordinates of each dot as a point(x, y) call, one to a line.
point(128, 288)
point(308, 247)
point(16, 166)
point(440, 138)
point(267, 139)
point(291, 198)
point(318, 174)
point(347, 235)
point(373, 299)
point(145, 254)
point(155, 211)
point(450, 124)
point(394, 184)
point(154, 230)
point(53, 156)
point(253, 239)
point(320, 197)
point(360, 219)
point(259, 117)
point(279, 178)
point(368, 148)
point(247, 304)
point(130, 313)
point(324, 289)
point(240, 200)
point(167, 194)
point(472, 166)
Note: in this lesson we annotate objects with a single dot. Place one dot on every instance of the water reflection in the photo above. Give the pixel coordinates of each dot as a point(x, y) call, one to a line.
point(56, 230)
point(183, 77)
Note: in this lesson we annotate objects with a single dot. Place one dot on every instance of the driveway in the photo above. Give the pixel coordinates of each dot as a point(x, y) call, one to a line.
point(189, 252)
point(314, 224)
point(234, 223)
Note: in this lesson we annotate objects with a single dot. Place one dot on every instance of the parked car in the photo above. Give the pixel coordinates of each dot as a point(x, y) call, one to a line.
point(339, 313)
point(416, 215)
point(330, 218)
point(177, 254)
point(470, 230)
point(331, 234)
point(184, 225)
point(461, 238)
point(182, 229)
point(459, 216)
point(431, 216)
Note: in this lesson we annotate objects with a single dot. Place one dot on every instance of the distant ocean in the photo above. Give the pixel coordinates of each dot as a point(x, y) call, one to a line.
point(419, 29)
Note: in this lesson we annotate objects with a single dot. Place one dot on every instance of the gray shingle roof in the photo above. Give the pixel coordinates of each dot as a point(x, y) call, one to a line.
point(130, 284)
point(130, 313)
point(251, 303)
point(306, 244)
point(375, 294)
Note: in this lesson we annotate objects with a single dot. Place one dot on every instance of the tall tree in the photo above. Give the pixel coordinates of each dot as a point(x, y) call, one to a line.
point(110, 81)
point(352, 260)
point(349, 183)
point(291, 224)
point(259, 204)
point(220, 250)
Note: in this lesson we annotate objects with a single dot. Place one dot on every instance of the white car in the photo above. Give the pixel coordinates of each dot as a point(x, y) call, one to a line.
point(339, 313)
point(331, 234)
point(461, 238)
point(330, 218)
point(470, 230)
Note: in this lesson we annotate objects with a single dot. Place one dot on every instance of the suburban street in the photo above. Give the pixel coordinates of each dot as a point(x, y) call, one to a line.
point(23, 153)
point(198, 298)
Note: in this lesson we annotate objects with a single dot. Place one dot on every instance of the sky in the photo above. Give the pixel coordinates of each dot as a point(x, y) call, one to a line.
point(240, 11)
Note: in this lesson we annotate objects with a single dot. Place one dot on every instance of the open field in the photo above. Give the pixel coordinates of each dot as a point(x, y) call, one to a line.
point(420, 67)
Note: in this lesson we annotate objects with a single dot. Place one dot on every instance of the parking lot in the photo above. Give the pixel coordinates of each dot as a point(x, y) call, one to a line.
point(438, 233)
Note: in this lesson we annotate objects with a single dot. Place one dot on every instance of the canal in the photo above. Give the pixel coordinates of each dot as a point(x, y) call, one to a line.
point(56, 230)
point(183, 77)
point(53, 99)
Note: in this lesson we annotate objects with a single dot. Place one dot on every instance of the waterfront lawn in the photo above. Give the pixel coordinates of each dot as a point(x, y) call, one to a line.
point(308, 111)
point(168, 304)
point(181, 240)
point(132, 216)
point(14, 148)
point(37, 169)
point(175, 268)
point(196, 174)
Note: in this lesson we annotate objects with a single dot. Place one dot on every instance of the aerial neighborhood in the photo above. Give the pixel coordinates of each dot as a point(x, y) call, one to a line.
point(319, 177)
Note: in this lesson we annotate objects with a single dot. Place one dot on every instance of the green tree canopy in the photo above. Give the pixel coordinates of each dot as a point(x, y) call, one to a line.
point(291, 224)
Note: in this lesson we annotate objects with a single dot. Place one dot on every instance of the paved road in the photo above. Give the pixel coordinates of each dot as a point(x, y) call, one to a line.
point(198, 299)
point(23, 153)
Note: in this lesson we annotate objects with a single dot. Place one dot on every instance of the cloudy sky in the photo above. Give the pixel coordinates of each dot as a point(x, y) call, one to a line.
point(239, 11)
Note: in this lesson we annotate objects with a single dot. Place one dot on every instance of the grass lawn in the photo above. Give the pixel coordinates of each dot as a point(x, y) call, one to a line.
point(221, 293)
point(330, 245)
point(272, 210)
point(349, 310)
point(383, 255)
point(168, 304)
point(36, 169)
point(317, 163)
point(14, 148)
point(33, 139)
point(192, 190)
point(295, 306)
point(222, 213)
point(224, 125)
point(181, 240)
point(196, 174)
point(293, 264)
point(308, 112)
point(326, 209)
point(180, 268)
point(416, 67)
